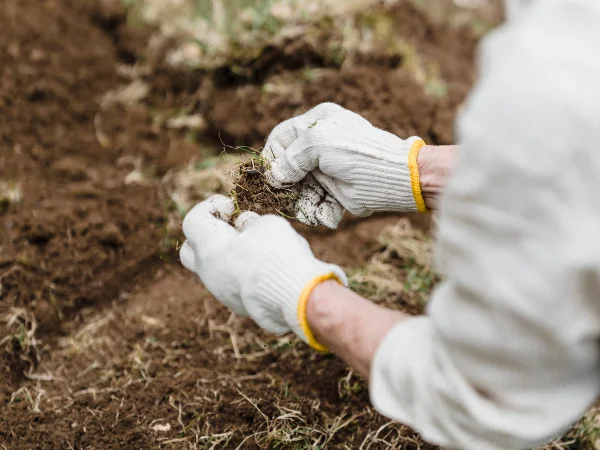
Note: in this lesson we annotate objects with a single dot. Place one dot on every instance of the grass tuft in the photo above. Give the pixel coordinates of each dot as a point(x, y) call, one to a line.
point(400, 275)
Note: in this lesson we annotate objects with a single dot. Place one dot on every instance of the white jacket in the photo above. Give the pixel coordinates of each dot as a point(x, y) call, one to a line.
point(509, 355)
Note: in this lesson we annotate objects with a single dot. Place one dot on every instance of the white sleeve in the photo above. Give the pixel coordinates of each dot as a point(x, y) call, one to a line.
point(509, 354)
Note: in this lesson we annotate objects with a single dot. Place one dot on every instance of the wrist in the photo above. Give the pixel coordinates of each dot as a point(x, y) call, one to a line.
point(310, 292)
point(351, 326)
point(287, 290)
point(319, 311)
point(434, 164)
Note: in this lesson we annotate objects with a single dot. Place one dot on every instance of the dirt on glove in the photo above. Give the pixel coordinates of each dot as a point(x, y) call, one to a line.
point(253, 193)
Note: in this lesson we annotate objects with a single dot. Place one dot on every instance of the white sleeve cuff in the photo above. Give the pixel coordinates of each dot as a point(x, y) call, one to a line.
point(414, 381)
point(396, 362)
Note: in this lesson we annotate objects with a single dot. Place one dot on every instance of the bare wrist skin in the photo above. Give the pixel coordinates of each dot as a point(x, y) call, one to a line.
point(349, 325)
point(435, 163)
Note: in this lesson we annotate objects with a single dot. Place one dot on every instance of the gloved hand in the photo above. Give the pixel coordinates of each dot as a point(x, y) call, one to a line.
point(261, 268)
point(361, 168)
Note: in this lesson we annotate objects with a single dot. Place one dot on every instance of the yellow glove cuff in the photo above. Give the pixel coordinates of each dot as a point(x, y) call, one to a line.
point(302, 305)
point(415, 181)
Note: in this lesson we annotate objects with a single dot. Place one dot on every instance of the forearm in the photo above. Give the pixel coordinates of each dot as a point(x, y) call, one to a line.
point(435, 163)
point(351, 326)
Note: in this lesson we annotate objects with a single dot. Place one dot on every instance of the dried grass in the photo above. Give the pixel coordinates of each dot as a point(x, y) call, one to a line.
point(127, 95)
point(585, 435)
point(400, 274)
point(20, 339)
point(198, 181)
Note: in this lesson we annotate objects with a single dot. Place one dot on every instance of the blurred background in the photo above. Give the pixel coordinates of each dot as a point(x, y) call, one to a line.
point(115, 118)
point(212, 30)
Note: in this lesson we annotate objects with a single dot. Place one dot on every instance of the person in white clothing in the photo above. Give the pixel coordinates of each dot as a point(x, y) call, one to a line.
point(508, 355)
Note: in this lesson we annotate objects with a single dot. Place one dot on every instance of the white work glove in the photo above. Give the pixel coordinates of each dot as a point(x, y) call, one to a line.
point(358, 167)
point(261, 268)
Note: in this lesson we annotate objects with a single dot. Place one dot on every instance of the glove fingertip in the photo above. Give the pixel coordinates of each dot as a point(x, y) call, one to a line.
point(330, 213)
point(207, 224)
point(277, 175)
point(219, 206)
point(187, 257)
point(325, 109)
point(283, 172)
point(245, 219)
point(222, 207)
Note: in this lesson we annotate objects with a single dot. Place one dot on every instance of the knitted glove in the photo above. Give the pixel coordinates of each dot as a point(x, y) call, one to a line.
point(357, 166)
point(261, 268)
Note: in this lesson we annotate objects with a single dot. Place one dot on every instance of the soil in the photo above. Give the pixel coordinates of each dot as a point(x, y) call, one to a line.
point(106, 342)
point(385, 93)
point(253, 193)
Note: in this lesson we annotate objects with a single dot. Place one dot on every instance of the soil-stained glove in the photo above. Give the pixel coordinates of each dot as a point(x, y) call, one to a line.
point(261, 268)
point(361, 168)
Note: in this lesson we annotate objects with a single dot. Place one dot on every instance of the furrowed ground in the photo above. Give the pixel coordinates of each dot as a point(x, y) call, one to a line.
point(113, 122)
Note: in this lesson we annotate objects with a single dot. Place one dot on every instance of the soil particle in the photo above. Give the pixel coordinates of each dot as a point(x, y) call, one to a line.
point(71, 168)
point(110, 235)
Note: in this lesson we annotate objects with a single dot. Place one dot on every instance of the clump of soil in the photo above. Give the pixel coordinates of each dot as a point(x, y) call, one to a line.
point(253, 193)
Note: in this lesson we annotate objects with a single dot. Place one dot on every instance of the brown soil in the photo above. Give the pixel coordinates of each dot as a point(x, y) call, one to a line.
point(106, 342)
point(386, 93)
point(253, 193)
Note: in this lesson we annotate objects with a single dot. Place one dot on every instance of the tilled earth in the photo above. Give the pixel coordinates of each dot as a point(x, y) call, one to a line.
point(106, 342)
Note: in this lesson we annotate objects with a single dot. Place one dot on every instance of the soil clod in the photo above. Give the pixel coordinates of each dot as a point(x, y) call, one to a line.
point(253, 193)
